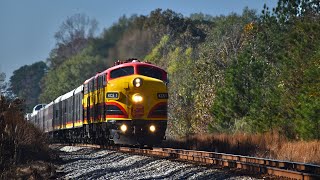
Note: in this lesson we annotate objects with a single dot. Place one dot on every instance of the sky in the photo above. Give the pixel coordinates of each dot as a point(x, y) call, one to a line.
point(27, 27)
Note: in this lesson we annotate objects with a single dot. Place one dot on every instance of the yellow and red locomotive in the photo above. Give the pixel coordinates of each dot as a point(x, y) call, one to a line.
point(125, 104)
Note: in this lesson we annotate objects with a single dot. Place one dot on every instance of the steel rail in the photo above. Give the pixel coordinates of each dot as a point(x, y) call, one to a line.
point(285, 169)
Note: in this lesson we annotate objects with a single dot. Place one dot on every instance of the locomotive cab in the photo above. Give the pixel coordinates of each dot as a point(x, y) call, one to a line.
point(136, 103)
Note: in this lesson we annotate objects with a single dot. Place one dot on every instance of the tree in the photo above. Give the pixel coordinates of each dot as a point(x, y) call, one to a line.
point(110, 36)
point(181, 91)
point(226, 39)
point(288, 10)
point(78, 26)
point(70, 74)
point(272, 83)
point(72, 37)
point(300, 70)
point(201, 17)
point(307, 119)
point(2, 82)
point(25, 83)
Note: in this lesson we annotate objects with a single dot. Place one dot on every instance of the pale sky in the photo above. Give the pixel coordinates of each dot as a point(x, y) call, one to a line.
point(27, 27)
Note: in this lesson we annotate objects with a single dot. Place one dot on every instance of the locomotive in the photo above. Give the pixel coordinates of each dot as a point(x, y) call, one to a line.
point(125, 104)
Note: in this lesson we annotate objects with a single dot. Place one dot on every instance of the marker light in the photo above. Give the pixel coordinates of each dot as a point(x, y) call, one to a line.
point(137, 98)
point(152, 128)
point(123, 128)
point(137, 82)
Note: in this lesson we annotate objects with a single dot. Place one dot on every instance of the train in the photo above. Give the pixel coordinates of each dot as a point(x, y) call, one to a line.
point(125, 104)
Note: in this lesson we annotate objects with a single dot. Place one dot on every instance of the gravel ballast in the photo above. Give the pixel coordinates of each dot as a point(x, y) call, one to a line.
point(91, 163)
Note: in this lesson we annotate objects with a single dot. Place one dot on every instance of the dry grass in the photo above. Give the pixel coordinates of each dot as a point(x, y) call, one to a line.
point(267, 145)
point(20, 141)
point(307, 152)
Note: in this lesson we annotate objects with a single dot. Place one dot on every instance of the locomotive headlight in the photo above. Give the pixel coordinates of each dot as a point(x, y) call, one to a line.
point(137, 82)
point(152, 128)
point(123, 128)
point(137, 98)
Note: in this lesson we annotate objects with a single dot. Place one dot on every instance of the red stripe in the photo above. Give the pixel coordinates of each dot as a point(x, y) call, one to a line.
point(125, 114)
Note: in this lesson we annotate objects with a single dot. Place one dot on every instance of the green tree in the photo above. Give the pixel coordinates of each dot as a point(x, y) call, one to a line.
point(25, 83)
point(307, 121)
point(272, 82)
point(225, 40)
point(71, 74)
point(181, 91)
point(299, 74)
point(109, 37)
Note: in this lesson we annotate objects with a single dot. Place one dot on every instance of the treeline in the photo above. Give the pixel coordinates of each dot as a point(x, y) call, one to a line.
point(250, 72)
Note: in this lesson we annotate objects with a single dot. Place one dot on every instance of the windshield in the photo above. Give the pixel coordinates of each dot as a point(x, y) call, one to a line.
point(153, 72)
point(124, 71)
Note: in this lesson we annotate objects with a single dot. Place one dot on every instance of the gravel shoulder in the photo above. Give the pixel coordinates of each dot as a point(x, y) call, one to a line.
point(90, 163)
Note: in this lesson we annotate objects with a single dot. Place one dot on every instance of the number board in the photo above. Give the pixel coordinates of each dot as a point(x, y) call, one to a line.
point(112, 95)
point(162, 95)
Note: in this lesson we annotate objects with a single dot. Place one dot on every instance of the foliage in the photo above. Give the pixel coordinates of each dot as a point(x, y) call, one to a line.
point(25, 83)
point(225, 41)
point(2, 83)
point(72, 37)
point(250, 72)
point(300, 98)
point(70, 74)
point(181, 91)
point(266, 87)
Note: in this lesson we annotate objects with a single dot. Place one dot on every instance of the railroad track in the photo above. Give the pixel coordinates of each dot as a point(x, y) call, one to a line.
point(285, 169)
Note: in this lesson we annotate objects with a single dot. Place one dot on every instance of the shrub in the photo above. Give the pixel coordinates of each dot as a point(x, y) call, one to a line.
point(20, 141)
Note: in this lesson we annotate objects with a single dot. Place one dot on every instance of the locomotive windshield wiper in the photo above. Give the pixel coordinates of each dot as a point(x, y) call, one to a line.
point(126, 72)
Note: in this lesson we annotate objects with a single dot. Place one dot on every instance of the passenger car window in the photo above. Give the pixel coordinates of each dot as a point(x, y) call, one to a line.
point(124, 71)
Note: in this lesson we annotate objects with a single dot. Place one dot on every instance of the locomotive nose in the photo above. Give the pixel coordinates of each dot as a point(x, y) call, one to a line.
point(137, 98)
point(137, 82)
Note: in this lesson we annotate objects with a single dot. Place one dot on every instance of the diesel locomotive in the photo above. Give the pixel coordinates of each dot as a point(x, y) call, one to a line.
point(125, 104)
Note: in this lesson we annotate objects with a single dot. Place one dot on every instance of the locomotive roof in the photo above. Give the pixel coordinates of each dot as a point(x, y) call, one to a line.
point(67, 95)
point(57, 99)
point(48, 105)
point(123, 64)
point(78, 89)
point(133, 63)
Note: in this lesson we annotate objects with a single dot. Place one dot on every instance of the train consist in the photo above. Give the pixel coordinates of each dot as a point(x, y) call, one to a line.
point(125, 104)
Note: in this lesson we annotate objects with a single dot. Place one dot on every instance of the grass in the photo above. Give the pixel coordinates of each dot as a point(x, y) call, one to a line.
point(267, 145)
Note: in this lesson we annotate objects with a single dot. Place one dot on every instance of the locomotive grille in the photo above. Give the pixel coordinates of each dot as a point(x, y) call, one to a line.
point(159, 111)
point(113, 110)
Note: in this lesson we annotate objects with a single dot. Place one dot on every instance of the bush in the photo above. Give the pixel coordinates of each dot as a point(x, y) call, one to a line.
point(20, 141)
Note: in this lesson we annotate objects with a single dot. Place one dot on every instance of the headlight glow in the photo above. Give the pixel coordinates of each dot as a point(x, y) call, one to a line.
point(137, 98)
point(137, 82)
point(123, 128)
point(152, 128)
